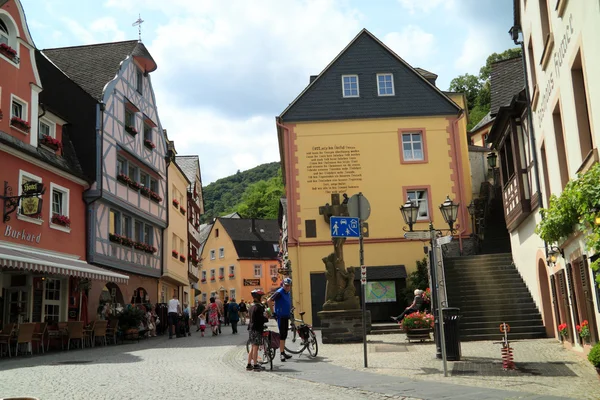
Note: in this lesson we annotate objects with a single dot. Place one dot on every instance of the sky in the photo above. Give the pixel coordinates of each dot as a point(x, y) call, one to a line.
point(227, 68)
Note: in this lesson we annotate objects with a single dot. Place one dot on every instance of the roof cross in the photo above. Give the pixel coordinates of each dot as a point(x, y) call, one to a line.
point(139, 23)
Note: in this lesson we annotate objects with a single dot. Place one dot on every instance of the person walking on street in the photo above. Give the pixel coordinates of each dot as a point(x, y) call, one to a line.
point(233, 311)
point(213, 316)
point(219, 304)
point(226, 311)
point(243, 312)
point(199, 311)
point(414, 307)
point(186, 318)
point(174, 312)
point(283, 309)
point(256, 327)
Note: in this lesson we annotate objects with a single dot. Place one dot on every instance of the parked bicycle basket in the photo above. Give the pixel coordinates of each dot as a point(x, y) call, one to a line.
point(274, 339)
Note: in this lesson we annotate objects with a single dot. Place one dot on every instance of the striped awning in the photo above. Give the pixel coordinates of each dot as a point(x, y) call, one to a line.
point(34, 260)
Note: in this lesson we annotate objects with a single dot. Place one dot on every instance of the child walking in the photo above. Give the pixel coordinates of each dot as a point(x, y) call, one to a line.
point(202, 323)
point(256, 327)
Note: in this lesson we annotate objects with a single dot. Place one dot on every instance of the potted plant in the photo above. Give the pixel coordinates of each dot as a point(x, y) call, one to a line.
point(149, 144)
point(231, 276)
point(221, 277)
point(20, 124)
point(129, 320)
point(194, 259)
point(203, 280)
point(594, 357)
point(52, 143)
point(584, 331)
point(123, 178)
point(115, 238)
point(62, 220)
point(131, 130)
point(212, 278)
point(182, 258)
point(562, 331)
point(8, 51)
point(182, 210)
point(145, 191)
point(175, 253)
point(176, 202)
point(417, 325)
point(155, 197)
point(427, 295)
point(134, 185)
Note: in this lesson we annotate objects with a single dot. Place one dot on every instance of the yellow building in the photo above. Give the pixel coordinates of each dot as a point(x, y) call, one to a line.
point(369, 123)
point(240, 255)
point(174, 278)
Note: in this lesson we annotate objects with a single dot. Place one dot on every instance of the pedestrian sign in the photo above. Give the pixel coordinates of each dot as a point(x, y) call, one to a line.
point(344, 227)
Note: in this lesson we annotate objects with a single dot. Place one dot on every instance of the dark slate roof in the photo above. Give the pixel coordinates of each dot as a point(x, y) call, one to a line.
point(506, 80)
point(484, 121)
point(366, 56)
point(253, 244)
point(384, 272)
point(93, 66)
point(189, 165)
point(66, 162)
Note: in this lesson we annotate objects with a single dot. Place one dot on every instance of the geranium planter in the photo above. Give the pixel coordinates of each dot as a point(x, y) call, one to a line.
point(149, 145)
point(182, 258)
point(420, 334)
point(8, 51)
point(221, 277)
point(182, 210)
point(61, 220)
point(134, 185)
point(176, 203)
point(231, 276)
point(155, 197)
point(124, 179)
point(203, 280)
point(144, 191)
point(50, 142)
point(20, 124)
point(175, 253)
point(131, 130)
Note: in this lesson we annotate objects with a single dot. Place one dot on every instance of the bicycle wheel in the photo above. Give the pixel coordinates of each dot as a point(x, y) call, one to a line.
point(267, 355)
point(312, 345)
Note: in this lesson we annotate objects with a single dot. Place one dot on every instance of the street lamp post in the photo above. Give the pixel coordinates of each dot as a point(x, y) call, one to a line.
point(449, 211)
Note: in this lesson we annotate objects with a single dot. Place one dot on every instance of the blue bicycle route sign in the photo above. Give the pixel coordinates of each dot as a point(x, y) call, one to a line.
point(344, 227)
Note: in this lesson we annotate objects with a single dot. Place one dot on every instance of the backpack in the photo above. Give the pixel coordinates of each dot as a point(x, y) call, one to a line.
point(258, 318)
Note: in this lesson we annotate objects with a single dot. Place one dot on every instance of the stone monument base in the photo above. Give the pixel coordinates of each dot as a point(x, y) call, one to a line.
point(343, 326)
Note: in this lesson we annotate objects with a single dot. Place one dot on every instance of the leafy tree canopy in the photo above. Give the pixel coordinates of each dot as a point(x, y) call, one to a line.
point(261, 199)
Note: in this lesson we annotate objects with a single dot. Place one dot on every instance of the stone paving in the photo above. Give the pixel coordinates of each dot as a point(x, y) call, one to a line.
point(543, 365)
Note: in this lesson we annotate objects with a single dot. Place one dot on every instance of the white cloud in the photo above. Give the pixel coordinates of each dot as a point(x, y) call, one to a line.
point(425, 6)
point(104, 29)
point(413, 44)
point(476, 47)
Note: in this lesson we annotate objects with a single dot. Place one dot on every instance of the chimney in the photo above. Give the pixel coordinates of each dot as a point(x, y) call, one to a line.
point(312, 78)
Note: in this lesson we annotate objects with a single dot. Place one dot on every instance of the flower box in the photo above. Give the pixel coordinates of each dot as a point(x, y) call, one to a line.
point(231, 276)
point(182, 258)
point(212, 278)
point(203, 280)
point(8, 51)
point(175, 253)
point(20, 124)
point(194, 260)
point(123, 240)
point(221, 277)
point(182, 210)
point(134, 185)
point(145, 247)
point(61, 220)
point(124, 179)
point(50, 142)
point(131, 130)
point(176, 202)
point(155, 197)
point(149, 144)
point(144, 191)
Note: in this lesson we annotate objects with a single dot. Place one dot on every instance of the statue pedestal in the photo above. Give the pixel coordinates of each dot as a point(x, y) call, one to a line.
point(343, 326)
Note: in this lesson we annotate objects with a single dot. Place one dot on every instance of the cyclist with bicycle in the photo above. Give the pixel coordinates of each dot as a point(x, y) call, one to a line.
point(283, 310)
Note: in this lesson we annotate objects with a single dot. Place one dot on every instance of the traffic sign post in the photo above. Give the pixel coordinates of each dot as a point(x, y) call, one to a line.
point(363, 207)
point(345, 227)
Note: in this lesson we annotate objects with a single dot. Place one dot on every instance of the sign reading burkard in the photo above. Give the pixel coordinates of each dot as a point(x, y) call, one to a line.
point(251, 282)
point(23, 235)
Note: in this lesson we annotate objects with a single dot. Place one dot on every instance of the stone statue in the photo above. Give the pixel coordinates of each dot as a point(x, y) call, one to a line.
point(340, 291)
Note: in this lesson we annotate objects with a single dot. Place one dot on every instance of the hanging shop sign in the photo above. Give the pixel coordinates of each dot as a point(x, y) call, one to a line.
point(251, 282)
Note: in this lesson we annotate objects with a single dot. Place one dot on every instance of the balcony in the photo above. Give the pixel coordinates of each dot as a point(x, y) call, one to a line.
point(192, 272)
point(517, 203)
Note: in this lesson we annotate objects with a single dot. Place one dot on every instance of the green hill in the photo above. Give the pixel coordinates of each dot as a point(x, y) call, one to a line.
point(224, 195)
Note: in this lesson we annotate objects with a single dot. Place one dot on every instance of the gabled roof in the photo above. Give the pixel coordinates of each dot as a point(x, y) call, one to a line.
point(487, 119)
point(506, 80)
point(364, 33)
point(253, 238)
point(189, 165)
point(93, 66)
point(234, 214)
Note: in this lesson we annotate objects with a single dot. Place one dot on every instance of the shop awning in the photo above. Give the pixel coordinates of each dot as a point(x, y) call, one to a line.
point(33, 260)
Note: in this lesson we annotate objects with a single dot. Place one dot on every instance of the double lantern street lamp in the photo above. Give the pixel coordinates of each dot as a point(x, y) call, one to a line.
point(410, 213)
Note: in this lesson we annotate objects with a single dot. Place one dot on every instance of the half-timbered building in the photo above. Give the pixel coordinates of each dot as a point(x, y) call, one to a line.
point(122, 148)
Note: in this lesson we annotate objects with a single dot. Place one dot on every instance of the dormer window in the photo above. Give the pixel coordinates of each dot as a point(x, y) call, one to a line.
point(385, 84)
point(350, 86)
point(4, 36)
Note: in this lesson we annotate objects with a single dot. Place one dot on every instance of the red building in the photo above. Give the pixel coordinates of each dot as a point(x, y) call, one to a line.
point(43, 273)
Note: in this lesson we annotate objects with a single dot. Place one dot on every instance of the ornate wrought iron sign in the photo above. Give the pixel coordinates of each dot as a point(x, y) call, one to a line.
point(30, 201)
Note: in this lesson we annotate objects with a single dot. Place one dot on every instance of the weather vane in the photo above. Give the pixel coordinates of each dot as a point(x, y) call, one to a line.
point(139, 23)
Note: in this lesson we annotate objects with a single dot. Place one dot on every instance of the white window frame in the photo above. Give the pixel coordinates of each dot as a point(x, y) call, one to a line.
point(51, 125)
point(204, 275)
point(58, 302)
point(232, 269)
point(222, 252)
point(22, 173)
point(66, 197)
point(357, 86)
point(204, 297)
point(13, 34)
point(213, 255)
point(273, 270)
point(213, 274)
point(412, 149)
point(259, 268)
point(232, 293)
point(419, 201)
point(7, 34)
point(24, 110)
point(379, 87)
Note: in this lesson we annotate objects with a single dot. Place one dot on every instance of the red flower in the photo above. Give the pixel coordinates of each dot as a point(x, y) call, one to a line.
point(7, 49)
point(175, 253)
point(51, 142)
point(203, 280)
point(149, 143)
point(60, 220)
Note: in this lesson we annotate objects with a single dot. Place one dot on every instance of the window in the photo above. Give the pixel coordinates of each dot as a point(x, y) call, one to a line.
point(154, 185)
point(231, 269)
point(181, 251)
point(232, 293)
point(60, 200)
point(385, 84)
point(273, 271)
point(147, 132)
point(148, 238)
point(545, 20)
point(581, 107)
point(212, 255)
point(46, 129)
point(350, 85)
point(254, 248)
point(545, 172)
point(129, 117)
point(144, 179)
point(222, 271)
point(507, 160)
point(204, 297)
point(531, 65)
point(114, 222)
point(132, 172)
point(276, 248)
point(420, 198)
point(222, 252)
point(204, 275)
point(138, 231)
point(412, 147)
point(258, 270)
point(560, 146)
point(217, 232)
point(121, 166)
point(23, 211)
point(4, 35)
point(212, 274)
point(18, 109)
point(52, 300)
point(213, 294)
point(139, 81)
point(126, 227)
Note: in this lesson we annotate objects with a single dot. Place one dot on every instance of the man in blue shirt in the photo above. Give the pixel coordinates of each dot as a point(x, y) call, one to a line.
point(283, 309)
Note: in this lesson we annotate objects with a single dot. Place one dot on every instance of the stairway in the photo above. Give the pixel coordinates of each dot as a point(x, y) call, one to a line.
point(489, 290)
point(496, 238)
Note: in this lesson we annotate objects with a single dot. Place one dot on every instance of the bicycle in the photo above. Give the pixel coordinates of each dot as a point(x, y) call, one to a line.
point(266, 351)
point(308, 339)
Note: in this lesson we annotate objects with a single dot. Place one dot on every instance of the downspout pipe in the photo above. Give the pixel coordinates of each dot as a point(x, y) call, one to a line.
point(99, 130)
point(514, 32)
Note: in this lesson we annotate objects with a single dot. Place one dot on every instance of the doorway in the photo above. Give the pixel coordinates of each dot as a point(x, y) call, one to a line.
point(17, 309)
point(545, 299)
point(317, 295)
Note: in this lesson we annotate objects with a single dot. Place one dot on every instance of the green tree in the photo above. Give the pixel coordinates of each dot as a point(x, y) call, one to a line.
point(261, 199)
point(486, 70)
point(468, 84)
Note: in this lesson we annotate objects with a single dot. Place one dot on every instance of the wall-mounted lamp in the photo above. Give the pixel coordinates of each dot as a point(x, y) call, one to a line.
point(553, 253)
point(596, 212)
point(492, 158)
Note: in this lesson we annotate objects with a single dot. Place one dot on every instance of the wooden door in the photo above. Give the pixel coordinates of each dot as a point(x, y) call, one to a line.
point(563, 303)
point(574, 299)
point(585, 296)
